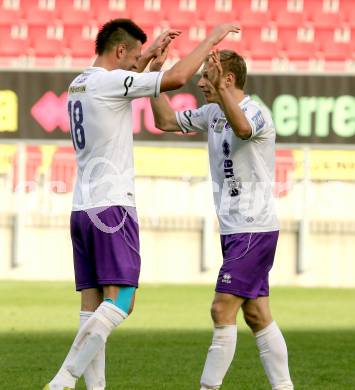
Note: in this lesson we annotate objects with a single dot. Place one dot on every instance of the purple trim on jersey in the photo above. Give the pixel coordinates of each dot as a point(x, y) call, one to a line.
point(247, 260)
point(102, 258)
point(184, 129)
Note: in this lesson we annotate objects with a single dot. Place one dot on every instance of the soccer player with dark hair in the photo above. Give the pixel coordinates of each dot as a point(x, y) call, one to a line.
point(104, 226)
point(241, 143)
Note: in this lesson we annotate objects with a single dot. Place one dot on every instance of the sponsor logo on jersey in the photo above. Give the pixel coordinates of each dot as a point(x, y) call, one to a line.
point(227, 278)
point(258, 120)
point(233, 184)
point(226, 148)
point(77, 89)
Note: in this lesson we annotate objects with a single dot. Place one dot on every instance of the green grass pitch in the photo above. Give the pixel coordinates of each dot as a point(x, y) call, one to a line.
point(164, 343)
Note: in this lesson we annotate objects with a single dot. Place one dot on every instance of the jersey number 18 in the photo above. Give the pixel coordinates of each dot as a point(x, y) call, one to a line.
point(76, 118)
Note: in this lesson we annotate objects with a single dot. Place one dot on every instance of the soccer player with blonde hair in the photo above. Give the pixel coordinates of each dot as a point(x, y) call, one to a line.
point(241, 143)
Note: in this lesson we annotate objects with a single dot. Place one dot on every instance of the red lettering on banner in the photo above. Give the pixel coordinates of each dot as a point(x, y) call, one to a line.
point(50, 111)
point(179, 102)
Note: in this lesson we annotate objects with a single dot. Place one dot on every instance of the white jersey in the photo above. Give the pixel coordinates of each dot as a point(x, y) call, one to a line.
point(99, 105)
point(242, 170)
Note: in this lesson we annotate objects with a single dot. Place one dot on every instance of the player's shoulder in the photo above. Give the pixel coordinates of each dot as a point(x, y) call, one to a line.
point(259, 115)
point(253, 106)
point(87, 76)
point(211, 109)
point(206, 112)
point(249, 104)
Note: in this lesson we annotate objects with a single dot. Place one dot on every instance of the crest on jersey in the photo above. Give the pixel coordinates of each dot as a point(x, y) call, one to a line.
point(226, 148)
point(218, 125)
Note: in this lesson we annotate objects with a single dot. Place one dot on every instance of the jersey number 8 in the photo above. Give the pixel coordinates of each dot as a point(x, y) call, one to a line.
point(76, 118)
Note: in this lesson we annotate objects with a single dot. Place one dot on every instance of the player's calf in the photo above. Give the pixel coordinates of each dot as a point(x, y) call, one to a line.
point(92, 337)
point(274, 357)
point(94, 374)
point(219, 357)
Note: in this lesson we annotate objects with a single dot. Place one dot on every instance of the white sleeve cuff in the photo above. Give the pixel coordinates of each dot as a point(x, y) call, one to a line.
point(157, 84)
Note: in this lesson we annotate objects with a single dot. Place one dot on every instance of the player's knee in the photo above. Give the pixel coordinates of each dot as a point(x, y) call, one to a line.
point(125, 299)
point(255, 320)
point(219, 313)
point(250, 318)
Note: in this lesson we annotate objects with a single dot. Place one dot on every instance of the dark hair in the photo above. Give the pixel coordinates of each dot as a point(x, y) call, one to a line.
point(118, 31)
point(234, 63)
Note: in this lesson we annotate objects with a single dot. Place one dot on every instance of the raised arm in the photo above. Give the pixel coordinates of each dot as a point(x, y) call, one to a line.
point(160, 43)
point(164, 115)
point(234, 114)
point(183, 70)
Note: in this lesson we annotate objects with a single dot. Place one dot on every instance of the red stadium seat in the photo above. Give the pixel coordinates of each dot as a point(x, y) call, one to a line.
point(250, 18)
point(77, 44)
point(319, 16)
point(264, 51)
point(143, 16)
point(185, 44)
point(300, 51)
point(326, 19)
point(81, 47)
point(9, 15)
point(285, 18)
point(287, 14)
point(347, 9)
point(148, 18)
point(257, 46)
point(42, 45)
point(349, 17)
point(312, 8)
point(103, 11)
point(70, 14)
point(250, 34)
point(179, 17)
point(336, 51)
point(286, 34)
point(212, 16)
point(10, 46)
point(35, 14)
point(324, 35)
point(276, 6)
point(335, 43)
